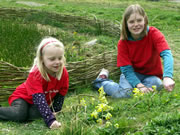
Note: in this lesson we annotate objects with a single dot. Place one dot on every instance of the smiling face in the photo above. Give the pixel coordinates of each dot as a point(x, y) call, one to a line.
point(52, 59)
point(135, 25)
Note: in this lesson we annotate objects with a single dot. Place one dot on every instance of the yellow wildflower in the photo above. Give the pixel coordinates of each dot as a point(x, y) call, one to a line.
point(103, 107)
point(108, 123)
point(92, 100)
point(99, 121)
point(137, 92)
point(103, 99)
point(101, 92)
point(100, 89)
point(73, 47)
point(116, 125)
point(108, 116)
point(99, 108)
point(154, 87)
point(83, 102)
point(75, 33)
point(94, 114)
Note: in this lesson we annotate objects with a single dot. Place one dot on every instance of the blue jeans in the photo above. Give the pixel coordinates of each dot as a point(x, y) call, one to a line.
point(123, 89)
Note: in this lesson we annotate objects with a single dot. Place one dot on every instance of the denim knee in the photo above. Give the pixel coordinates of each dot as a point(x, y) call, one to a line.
point(153, 80)
point(98, 83)
point(123, 82)
point(113, 89)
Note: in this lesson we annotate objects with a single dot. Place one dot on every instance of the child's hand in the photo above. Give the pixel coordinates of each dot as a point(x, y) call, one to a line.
point(55, 125)
point(168, 83)
point(143, 88)
point(146, 90)
point(55, 113)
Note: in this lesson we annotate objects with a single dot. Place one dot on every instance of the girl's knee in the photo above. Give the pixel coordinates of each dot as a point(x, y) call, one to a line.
point(110, 85)
point(110, 88)
point(113, 89)
point(20, 116)
point(19, 110)
point(153, 80)
point(99, 82)
point(124, 83)
point(123, 93)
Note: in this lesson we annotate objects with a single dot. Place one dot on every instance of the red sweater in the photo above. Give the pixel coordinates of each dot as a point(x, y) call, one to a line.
point(36, 84)
point(143, 55)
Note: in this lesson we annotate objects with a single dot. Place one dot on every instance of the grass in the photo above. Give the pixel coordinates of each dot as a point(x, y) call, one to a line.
point(155, 113)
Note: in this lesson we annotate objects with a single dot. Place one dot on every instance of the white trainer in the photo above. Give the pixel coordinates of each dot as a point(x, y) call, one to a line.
point(103, 74)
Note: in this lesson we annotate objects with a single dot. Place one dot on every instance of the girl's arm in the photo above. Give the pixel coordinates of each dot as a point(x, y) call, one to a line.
point(40, 101)
point(168, 82)
point(130, 75)
point(167, 63)
point(58, 103)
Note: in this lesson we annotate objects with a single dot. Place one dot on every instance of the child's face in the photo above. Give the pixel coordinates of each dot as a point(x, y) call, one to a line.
point(135, 25)
point(52, 59)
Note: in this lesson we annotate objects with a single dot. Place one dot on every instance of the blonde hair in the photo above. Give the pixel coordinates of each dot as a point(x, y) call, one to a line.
point(38, 61)
point(130, 10)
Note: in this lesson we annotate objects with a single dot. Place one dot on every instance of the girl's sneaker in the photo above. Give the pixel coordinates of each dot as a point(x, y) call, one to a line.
point(103, 74)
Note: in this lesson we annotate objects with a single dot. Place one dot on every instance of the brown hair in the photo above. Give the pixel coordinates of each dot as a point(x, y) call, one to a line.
point(130, 10)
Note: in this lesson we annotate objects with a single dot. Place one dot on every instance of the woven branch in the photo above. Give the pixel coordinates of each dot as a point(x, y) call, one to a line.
point(80, 72)
point(29, 15)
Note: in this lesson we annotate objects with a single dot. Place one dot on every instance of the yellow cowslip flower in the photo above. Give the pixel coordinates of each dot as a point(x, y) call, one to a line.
point(108, 123)
point(103, 107)
point(108, 116)
point(100, 89)
point(101, 92)
point(73, 47)
point(137, 92)
point(116, 125)
point(103, 100)
point(154, 87)
point(109, 108)
point(74, 32)
point(99, 108)
point(92, 100)
point(99, 121)
point(94, 114)
point(106, 107)
point(83, 102)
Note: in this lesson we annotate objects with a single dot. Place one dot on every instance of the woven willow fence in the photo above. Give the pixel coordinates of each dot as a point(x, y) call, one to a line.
point(70, 22)
point(80, 72)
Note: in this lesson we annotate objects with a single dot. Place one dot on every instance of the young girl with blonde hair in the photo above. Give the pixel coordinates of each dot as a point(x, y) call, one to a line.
point(42, 94)
point(139, 51)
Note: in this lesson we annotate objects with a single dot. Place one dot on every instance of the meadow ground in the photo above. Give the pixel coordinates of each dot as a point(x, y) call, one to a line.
point(155, 113)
